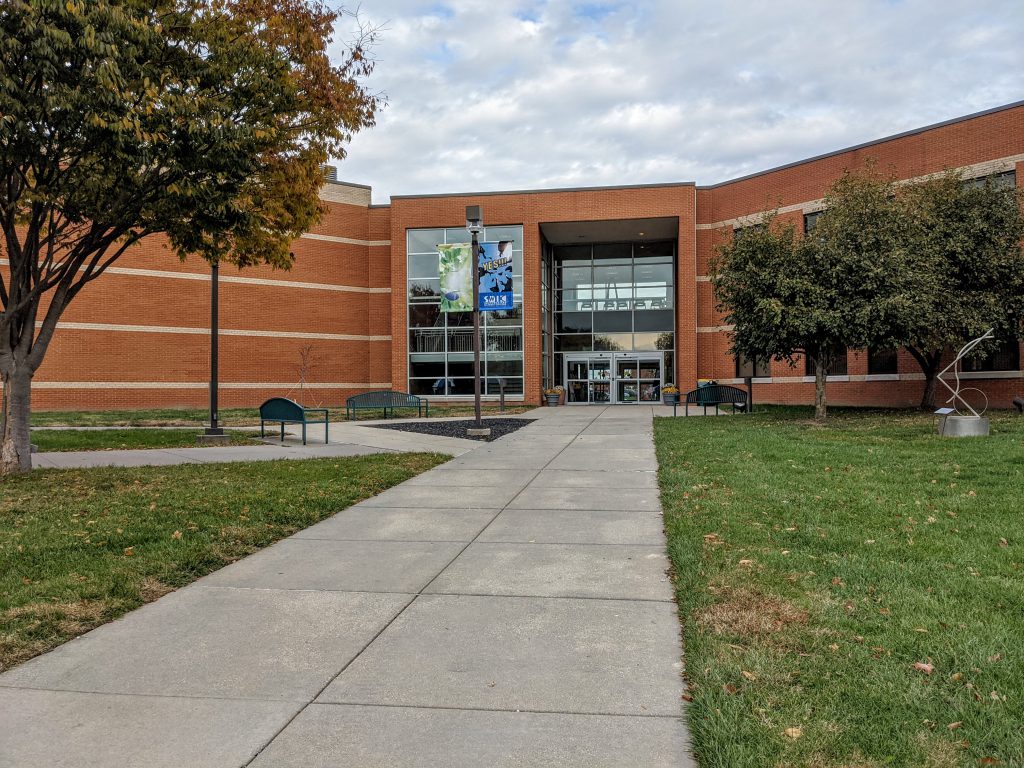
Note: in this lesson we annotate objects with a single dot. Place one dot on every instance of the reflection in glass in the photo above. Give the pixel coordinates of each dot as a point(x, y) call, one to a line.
point(424, 290)
point(613, 342)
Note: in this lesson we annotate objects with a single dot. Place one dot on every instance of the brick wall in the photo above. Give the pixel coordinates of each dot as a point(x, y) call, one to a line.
point(137, 337)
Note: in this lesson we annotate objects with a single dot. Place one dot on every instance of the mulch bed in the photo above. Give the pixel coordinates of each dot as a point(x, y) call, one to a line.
point(499, 427)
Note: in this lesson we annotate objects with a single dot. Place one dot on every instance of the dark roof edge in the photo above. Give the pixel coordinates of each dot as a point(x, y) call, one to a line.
point(866, 144)
point(549, 191)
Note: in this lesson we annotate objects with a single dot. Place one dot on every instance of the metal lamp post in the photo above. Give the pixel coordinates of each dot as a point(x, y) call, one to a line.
point(474, 223)
point(214, 431)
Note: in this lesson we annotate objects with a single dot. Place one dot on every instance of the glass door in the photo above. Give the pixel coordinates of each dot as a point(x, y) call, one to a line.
point(627, 379)
point(600, 381)
point(576, 381)
point(650, 370)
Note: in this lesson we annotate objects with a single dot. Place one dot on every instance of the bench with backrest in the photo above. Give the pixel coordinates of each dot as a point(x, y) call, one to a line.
point(289, 412)
point(716, 395)
point(1019, 402)
point(386, 401)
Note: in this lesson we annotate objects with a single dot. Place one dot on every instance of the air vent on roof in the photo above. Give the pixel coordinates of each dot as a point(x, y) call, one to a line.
point(331, 172)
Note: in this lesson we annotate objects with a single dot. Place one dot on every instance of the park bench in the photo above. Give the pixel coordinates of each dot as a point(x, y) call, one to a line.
point(1019, 402)
point(716, 395)
point(289, 412)
point(386, 401)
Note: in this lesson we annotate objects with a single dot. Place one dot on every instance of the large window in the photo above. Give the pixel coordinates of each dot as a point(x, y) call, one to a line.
point(759, 367)
point(1005, 357)
point(614, 297)
point(838, 367)
point(441, 343)
point(882, 361)
point(1004, 180)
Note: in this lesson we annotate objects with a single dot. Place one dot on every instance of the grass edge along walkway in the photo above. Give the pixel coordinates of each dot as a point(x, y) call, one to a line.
point(83, 547)
point(852, 595)
point(134, 438)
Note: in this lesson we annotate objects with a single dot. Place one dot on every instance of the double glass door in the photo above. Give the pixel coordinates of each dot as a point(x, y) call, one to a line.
point(619, 377)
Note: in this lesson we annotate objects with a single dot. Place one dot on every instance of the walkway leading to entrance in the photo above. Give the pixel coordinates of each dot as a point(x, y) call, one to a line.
point(508, 608)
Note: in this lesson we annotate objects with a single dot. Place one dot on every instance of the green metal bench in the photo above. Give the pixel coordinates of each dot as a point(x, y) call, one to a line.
point(387, 401)
point(289, 412)
point(717, 394)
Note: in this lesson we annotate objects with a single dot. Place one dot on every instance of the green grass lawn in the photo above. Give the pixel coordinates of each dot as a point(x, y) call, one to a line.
point(852, 595)
point(230, 417)
point(81, 547)
point(112, 439)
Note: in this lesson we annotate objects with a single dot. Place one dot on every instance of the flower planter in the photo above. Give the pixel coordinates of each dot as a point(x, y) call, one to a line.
point(552, 400)
point(670, 398)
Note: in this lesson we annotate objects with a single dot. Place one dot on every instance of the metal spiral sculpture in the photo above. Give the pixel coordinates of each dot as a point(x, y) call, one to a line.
point(956, 398)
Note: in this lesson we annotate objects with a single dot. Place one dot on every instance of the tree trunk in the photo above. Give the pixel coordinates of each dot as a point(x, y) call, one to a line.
point(16, 445)
point(929, 365)
point(820, 369)
point(928, 398)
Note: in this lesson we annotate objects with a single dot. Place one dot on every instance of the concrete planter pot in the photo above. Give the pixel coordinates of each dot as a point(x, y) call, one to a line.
point(552, 400)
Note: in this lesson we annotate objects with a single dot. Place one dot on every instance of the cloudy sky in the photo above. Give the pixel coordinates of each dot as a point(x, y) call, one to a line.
point(524, 94)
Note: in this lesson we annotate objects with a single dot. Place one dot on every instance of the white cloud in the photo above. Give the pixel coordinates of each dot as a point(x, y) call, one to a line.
point(524, 94)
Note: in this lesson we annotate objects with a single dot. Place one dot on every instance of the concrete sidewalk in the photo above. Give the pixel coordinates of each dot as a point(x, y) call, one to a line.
point(509, 608)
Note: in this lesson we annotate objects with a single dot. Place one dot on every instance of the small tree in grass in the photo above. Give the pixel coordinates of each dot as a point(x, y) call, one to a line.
point(846, 284)
point(970, 236)
point(207, 121)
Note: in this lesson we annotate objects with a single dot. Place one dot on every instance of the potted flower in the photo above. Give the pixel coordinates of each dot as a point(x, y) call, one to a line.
point(553, 395)
point(670, 394)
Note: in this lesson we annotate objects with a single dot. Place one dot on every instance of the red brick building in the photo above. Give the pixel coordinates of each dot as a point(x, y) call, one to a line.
point(612, 296)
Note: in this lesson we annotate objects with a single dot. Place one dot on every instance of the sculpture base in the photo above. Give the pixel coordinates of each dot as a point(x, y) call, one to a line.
point(479, 432)
point(954, 425)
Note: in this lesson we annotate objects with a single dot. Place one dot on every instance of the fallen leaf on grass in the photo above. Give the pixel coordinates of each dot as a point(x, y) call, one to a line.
point(996, 657)
point(794, 733)
point(176, 535)
point(129, 551)
point(749, 675)
point(1004, 543)
point(954, 726)
point(921, 666)
point(730, 688)
point(746, 563)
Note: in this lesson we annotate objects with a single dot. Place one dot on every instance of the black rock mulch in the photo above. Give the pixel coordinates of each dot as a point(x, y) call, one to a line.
point(499, 427)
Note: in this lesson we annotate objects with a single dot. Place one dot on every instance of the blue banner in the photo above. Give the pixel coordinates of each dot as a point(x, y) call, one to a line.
point(494, 269)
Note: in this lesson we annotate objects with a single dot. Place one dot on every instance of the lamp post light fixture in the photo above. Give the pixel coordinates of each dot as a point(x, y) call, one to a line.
point(474, 223)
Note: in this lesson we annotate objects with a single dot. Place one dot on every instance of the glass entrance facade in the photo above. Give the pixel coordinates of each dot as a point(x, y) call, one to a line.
point(614, 378)
point(441, 343)
point(615, 298)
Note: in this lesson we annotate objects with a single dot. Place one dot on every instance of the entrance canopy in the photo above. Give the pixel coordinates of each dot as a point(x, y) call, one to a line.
point(610, 231)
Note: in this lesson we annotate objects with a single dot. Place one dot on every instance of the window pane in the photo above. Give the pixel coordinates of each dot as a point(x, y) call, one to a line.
point(504, 367)
point(570, 278)
point(459, 319)
point(427, 368)
point(460, 368)
point(613, 341)
point(457, 235)
point(424, 265)
point(424, 240)
point(653, 320)
point(570, 254)
point(425, 316)
point(619, 251)
point(422, 387)
point(653, 274)
point(424, 290)
point(574, 343)
point(512, 316)
point(613, 321)
point(573, 322)
point(653, 341)
point(513, 386)
point(460, 340)
point(515, 234)
point(426, 340)
point(882, 361)
point(662, 249)
point(504, 340)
